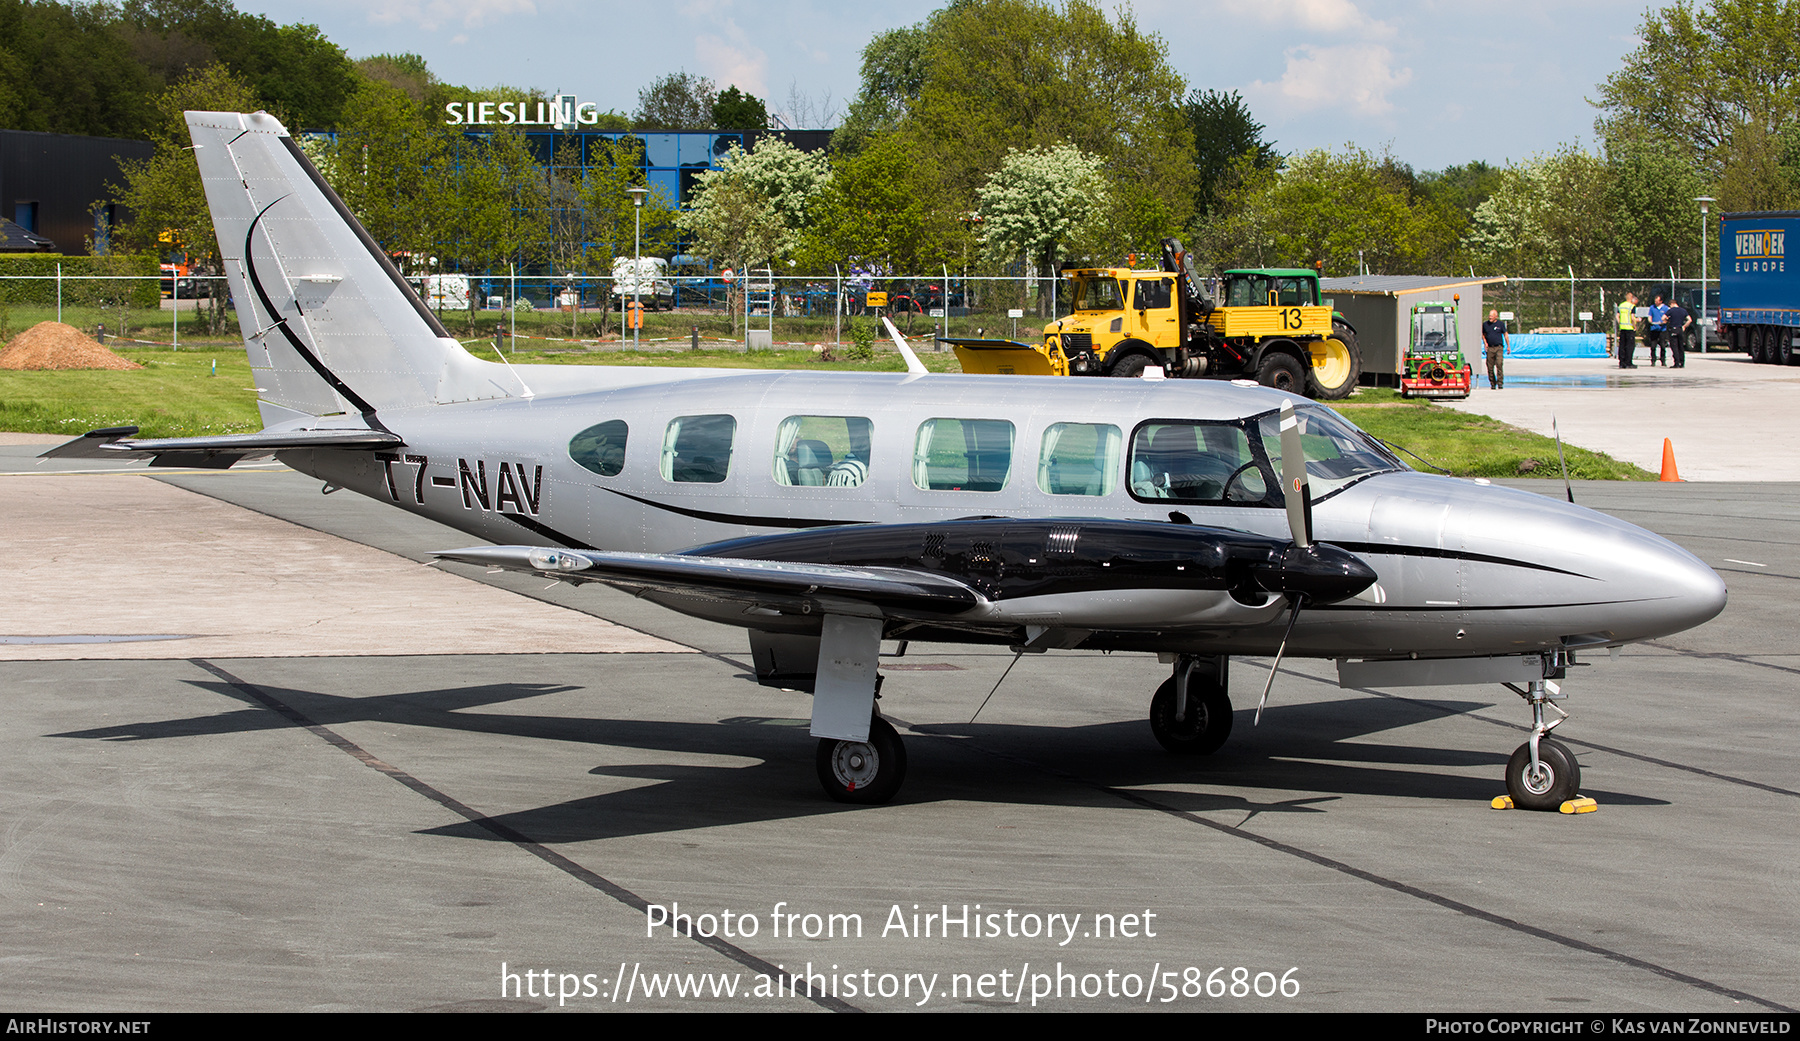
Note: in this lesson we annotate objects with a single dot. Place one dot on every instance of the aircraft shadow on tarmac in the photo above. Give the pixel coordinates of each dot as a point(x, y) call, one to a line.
point(1311, 750)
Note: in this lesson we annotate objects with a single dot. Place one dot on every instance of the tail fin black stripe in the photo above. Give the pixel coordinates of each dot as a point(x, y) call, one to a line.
point(262, 294)
point(368, 241)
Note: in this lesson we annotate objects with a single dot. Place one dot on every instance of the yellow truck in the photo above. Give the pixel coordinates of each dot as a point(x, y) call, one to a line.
point(1266, 324)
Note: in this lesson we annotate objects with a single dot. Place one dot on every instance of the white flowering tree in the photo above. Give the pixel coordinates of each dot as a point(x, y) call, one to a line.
point(753, 209)
point(1040, 201)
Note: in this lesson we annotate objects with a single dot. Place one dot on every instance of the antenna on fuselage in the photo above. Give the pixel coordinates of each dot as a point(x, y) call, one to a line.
point(913, 364)
point(1568, 489)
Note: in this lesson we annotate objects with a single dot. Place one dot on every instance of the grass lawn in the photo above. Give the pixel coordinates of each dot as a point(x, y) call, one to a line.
point(181, 394)
point(1475, 446)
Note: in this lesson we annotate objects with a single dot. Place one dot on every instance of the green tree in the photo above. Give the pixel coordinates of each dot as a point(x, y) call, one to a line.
point(1704, 76)
point(879, 205)
point(593, 216)
point(301, 76)
point(70, 69)
point(1650, 206)
point(982, 78)
point(677, 101)
point(1460, 189)
point(1223, 132)
point(163, 194)
point(1331, 208)
point(1551, 214)
point(893, 74)
point(733, 109)
point(389, 163)
point(500, 198)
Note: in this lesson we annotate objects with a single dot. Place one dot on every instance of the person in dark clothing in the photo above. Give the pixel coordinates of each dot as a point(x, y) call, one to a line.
point(1493, 334)
point(1675, 329)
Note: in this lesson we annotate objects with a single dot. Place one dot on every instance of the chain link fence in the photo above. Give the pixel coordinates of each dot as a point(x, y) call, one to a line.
point(583, 312)
point(1558, 303)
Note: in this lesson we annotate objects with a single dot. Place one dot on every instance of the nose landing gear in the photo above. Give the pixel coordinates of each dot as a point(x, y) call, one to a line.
point(1542, 774)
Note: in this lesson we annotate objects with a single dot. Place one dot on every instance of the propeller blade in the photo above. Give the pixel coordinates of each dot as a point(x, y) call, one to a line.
point(1294, 488)
point(1295, 602)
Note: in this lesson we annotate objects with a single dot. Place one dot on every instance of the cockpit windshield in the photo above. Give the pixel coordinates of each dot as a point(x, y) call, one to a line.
point(1235, 462)
point(1337, 454)
point(1098, 294)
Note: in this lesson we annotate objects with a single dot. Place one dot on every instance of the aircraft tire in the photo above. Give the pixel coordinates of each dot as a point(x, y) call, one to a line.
point(1558, 780)
point(864, 773)
point(1282, 372)
point(1208, 723)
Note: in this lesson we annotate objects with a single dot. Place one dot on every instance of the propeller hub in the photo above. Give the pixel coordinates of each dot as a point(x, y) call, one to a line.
point(1322, 573)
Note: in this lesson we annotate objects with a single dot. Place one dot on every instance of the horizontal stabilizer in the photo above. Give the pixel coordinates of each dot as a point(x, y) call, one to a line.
point(889, 591)
point(221, 450)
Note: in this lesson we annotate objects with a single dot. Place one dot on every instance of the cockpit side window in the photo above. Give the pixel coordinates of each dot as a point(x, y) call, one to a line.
point(600, 448)
point(962, 455)
point(697, 449)
point(823, 451)
point(1205, 463)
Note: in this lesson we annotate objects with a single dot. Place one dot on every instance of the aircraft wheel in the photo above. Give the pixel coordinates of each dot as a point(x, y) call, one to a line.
point(1556, 781)
point(1336, 365)
point(863, 772)
point(1208, 721)
point(1282, 372)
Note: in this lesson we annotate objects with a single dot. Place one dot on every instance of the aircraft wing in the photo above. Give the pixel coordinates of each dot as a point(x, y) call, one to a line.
point(891, 592)
point(216, 452)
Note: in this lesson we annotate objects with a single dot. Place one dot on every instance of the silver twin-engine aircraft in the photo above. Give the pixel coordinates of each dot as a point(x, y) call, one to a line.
point(826, 513)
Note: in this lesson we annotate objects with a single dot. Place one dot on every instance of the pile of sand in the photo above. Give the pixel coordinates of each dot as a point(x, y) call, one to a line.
point(53, 345)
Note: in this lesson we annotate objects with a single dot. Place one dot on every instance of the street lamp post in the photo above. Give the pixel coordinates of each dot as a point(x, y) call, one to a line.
point(1704, 201)
point(637, 264)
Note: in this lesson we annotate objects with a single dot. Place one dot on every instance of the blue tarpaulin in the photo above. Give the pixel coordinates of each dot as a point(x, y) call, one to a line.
point(1557, 345)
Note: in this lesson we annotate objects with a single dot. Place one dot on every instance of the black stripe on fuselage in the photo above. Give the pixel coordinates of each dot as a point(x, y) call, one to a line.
point(547, 531)
point(732, 518)
point(1389, 549)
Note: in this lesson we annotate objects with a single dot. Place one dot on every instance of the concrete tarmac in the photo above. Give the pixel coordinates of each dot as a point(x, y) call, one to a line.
point(406, 824)
point(1703, 409)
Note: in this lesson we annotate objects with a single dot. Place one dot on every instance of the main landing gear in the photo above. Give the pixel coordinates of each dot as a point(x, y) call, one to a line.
point(1199, 720)
point(1542, 774)
point(863, 772)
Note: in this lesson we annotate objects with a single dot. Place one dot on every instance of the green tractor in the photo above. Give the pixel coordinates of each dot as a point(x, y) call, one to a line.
point(1435, 366)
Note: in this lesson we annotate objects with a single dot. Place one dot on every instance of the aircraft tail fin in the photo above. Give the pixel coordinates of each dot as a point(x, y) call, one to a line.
point(329, 323)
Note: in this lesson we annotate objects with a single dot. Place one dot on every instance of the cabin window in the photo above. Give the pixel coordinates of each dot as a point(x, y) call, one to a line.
point(601, 448)
point(963, 455)
point(1247, 291)
point(1293, 292)
point(823, 451)
point(1079, 459)
point(1152, 294)
point(697, 449)
point(1213, 463)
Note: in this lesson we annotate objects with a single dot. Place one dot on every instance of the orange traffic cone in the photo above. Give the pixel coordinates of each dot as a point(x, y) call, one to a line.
point(1669, 472)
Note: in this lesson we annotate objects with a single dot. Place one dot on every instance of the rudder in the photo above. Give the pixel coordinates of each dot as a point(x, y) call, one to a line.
point(329, 324)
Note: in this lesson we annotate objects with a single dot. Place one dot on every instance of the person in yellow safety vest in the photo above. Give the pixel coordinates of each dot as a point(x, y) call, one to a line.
point(1628, 331)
